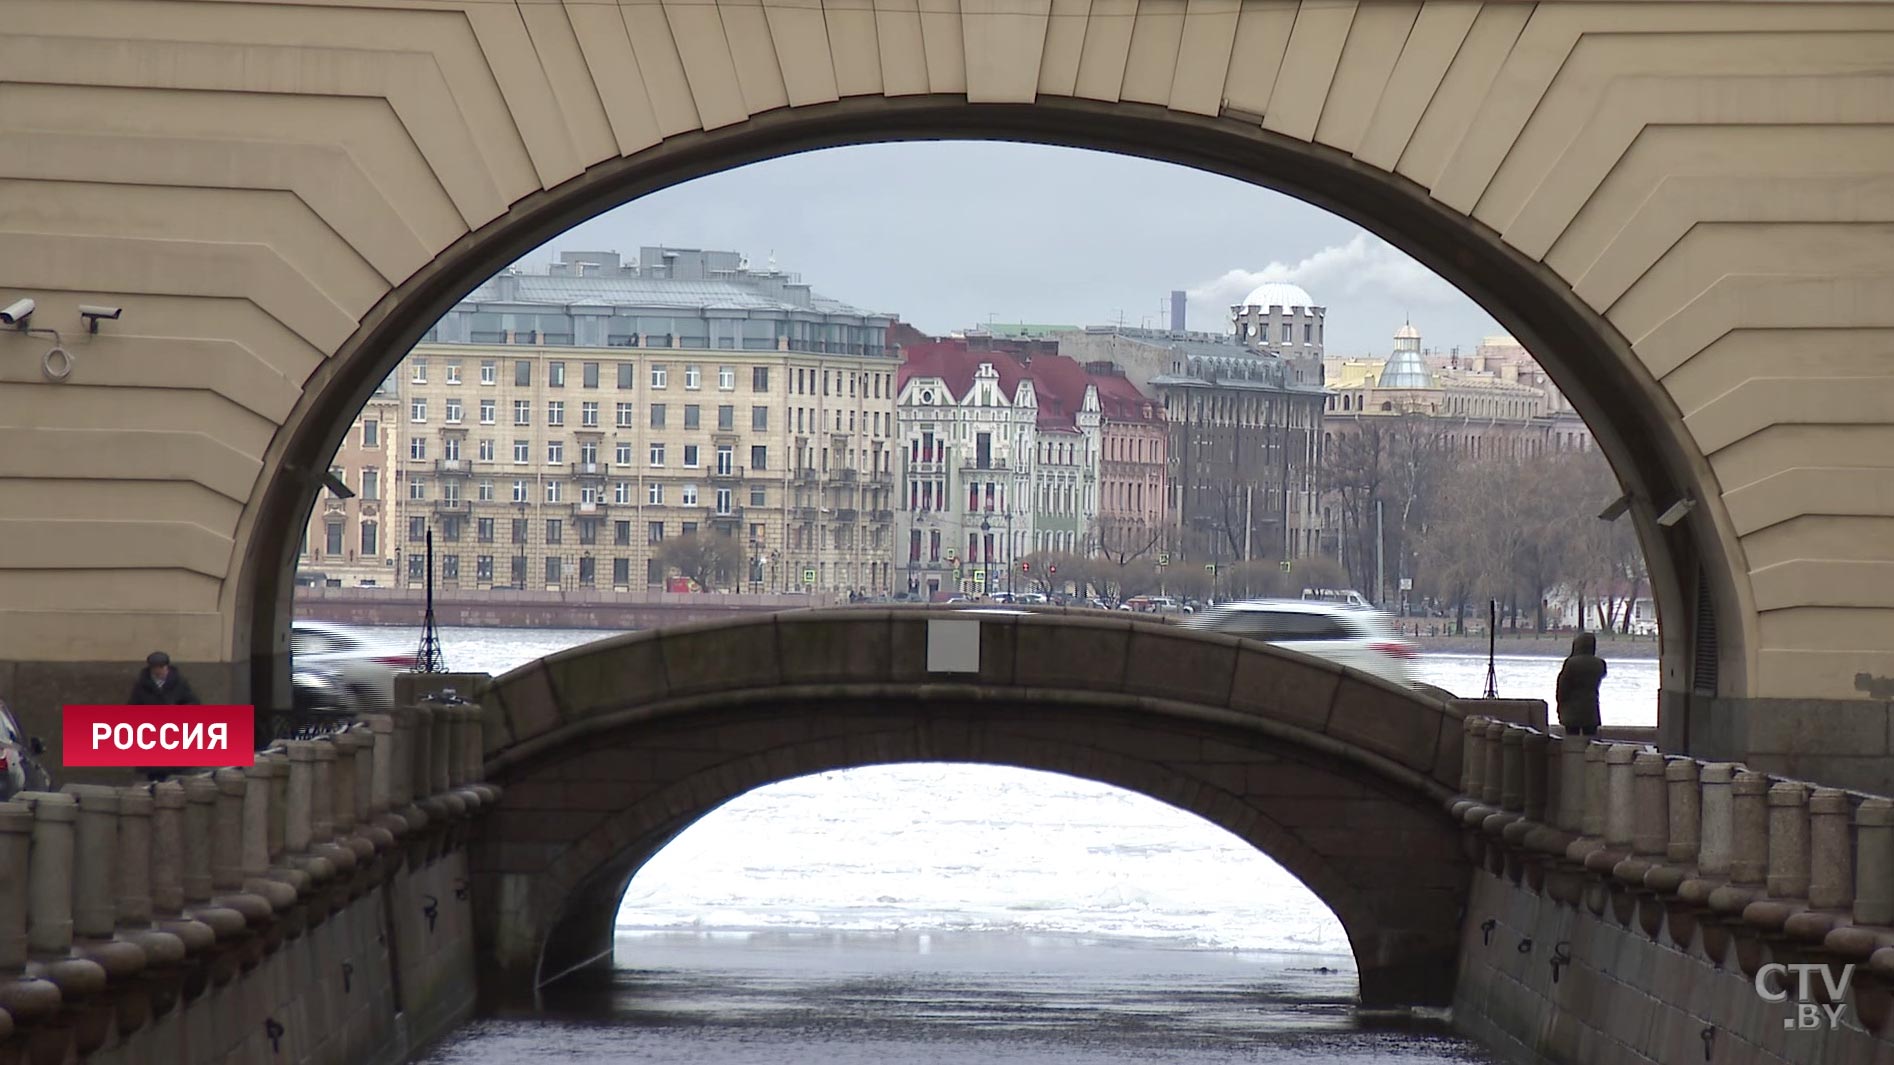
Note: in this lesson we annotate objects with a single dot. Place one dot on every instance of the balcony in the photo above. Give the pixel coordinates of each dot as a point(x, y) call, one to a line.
point(806, 475)
point(453, 467)
point(734, 473)
point(882, 477)
point(881, 517)
point(803, 514)
point(992, 464)
point(332, 505)
point(451, 507)
point(847, 514)
point(845, 476)
point(730, 521)
point(591, 469)
point(593, 509)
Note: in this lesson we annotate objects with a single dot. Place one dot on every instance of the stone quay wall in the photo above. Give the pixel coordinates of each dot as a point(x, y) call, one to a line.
point(1626, 901)
point(310, 908)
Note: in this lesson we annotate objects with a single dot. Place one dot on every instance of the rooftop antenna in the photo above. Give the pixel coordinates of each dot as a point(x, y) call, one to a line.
point(429, 658)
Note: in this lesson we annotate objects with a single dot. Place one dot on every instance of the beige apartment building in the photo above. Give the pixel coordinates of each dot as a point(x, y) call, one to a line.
point(554, 430)
point(350, 541)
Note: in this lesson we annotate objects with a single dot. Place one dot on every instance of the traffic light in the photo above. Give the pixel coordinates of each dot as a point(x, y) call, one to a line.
point(1053, 568)
point(1025, 567)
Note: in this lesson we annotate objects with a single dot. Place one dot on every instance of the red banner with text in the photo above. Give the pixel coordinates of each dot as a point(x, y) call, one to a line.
point(158, 736)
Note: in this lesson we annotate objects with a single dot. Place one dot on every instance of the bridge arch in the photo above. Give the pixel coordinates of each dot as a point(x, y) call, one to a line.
point(607, 752)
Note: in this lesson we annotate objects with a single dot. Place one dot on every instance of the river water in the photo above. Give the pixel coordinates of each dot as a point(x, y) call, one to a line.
point(971, 914)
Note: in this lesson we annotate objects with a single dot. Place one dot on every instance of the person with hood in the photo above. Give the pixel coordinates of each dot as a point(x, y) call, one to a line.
point(1578, 686)
point(160, 685)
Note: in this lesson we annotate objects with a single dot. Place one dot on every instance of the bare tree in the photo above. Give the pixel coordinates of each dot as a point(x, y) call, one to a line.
point(712, 559)
point(1122, 549)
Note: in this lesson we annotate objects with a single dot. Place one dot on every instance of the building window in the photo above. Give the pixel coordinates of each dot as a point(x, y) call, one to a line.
point(483, 530)
point(726, 378)
point(690, 495)
point(726, 418)
point(371, 433)
point(723, 501)
point(588, 452)
point(522, 372)
point(450, 448)
point(621, 415)
point(726, 460)
point(588, 375)
point(553, 491)
point(453, 412)
point(552, 569)
point(626, 370)
point(486, 449)
point(759, 457)
point(657, 415)
point(519, 571)
point(759, 379)
point(450, 567)
point(621, 491)
point(588, 572)
point(419, 365)
point(657, 454)
point(417, 410)
point(693, 416)
point(660, 373)
point(621, 452)
point(654, 493)
point(417, 567)
point(522, 452)
point(519, 492)
point(371, 483)
point(621, 533)
point(588, 415)
point(522, 412)
point(332, 538)
point(483, 568)
point(653, 572)
point(417, 448)
point(519, 530)
point(758, 497)
point(489, 371)
point(486, 412)
point(555, 531)
point(621, 571)
point(759, 419)
point(693, 376)
point(654, 532)
point(555, 375)
point(690, 456)
point(555, 412)
point(417, 530)
point(453, 371)
point(555, 452)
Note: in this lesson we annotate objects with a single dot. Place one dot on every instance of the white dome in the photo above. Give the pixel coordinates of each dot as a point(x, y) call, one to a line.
point(1278, 294)
point(1407, 332)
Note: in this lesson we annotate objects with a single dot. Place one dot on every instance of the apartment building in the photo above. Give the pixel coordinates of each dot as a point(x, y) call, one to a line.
point(554, 430)
point(349, 541)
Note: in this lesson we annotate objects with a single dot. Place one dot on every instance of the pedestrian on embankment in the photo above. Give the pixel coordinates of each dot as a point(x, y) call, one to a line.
point(1579, 679)
point(160, 684)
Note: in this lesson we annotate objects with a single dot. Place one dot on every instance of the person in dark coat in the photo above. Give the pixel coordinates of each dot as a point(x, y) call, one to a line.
point(1578, 686)
point(158, 684)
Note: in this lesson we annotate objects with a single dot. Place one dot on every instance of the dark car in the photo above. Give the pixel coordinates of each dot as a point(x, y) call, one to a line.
point(20, 768)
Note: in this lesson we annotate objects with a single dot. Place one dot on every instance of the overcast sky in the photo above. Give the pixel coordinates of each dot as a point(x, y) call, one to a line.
point(948, 235)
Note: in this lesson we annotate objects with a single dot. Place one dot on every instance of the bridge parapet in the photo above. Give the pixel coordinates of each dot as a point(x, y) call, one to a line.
point(183, 921)
point(1708, 863)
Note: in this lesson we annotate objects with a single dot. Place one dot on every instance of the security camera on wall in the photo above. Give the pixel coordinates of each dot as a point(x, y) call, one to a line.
point(18, 312)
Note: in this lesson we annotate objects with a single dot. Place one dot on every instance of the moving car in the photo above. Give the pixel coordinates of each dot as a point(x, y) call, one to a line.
point(360, 664)
point(20, 768)
point(1346, 635)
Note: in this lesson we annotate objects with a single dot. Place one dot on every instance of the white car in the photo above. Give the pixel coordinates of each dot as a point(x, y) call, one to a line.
point(1349, 636)
point(360, 664)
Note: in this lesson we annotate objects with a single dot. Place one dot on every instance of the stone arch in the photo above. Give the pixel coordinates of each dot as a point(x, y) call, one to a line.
point(605, 753)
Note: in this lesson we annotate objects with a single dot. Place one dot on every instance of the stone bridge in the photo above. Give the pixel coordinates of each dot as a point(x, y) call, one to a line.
point(1681, 208)
point(608, 751)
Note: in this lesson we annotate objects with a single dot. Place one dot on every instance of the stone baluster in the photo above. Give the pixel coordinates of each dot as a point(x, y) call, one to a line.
point(1874, 862)
point(1534, 764)
point(1493, 777)
point(364, 737)
point(342, 778)
point(475, 743)
point(1597, 791)
point(1512, 790)
point(421, 753)
point(440, 774)
point(401, 792)
point(1651, 836)
point(1685, 801)
point(226, 837)
point(381, 795)
point(200, 800)
point(1620, 796)
point(1788, 869)
point(167, 849)
point(1831, 877)
point(322, 791)
point(135, 808)
point(1473, 758)
point(49, 871)
point(1749, 842)
point(299, 827)
point(256, 818)
point(1572, 782)
point(16, 843)
point(1716, 848)
point(456, 746)
point(94, 911)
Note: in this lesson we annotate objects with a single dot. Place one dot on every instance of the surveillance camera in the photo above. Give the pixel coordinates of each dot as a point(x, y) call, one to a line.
point(92, 312)
point(18, 312)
